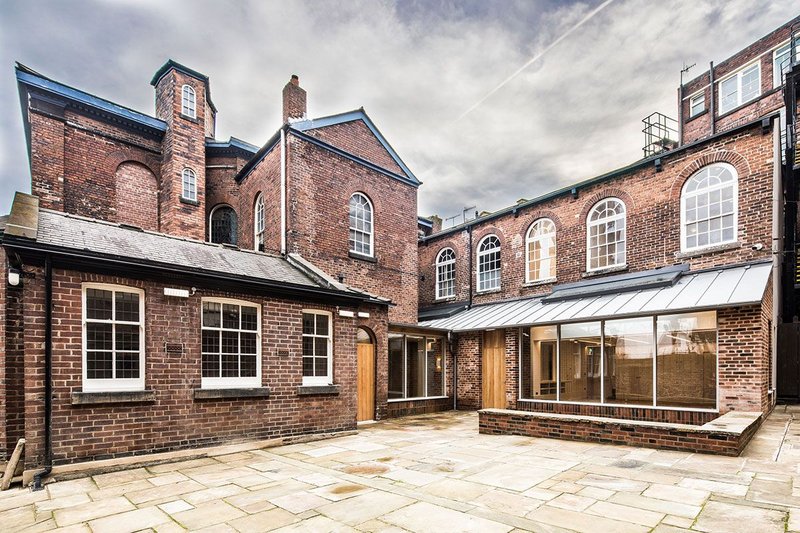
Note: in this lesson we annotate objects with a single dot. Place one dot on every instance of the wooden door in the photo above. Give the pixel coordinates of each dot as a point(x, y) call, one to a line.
point(494, 369)
point(366, 381)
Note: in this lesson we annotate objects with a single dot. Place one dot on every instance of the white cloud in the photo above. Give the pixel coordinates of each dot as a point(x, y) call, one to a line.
point(415, 66)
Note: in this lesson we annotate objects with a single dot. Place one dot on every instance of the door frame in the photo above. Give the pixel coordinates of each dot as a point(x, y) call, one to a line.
point(374, 342)
point(501, 333)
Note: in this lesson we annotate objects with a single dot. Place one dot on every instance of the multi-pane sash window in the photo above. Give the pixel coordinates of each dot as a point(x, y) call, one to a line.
point(113, 325)
point(697, 104)
point(709, 207)
point(540, 245)
point(231, 333)
point(258, 222)
point(317, 348)
point(781, 59)
point(605, 227)
point(188, 102)
point(189, 191)
point(361, 231)
point(446, 274)
point(223, 225)
point(489, 263)
point(740, 88)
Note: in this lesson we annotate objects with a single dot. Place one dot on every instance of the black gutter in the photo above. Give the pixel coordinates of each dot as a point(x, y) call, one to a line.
point(91, 260)
point(469, 230)
point(597, 179)
point(711, 101)
point(48, 375)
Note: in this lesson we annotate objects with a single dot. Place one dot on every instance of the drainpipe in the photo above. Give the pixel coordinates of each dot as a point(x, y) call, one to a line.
point(712, 108)
point(455, 370)
point(471, 275)
point(48, 375)
point(777, 246)
point(283, 191)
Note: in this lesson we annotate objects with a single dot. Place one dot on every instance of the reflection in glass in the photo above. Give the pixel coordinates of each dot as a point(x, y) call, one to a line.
point(629, 356)
point(396, 365)
point(539, 363)
point(580, 362)
point(686, 364)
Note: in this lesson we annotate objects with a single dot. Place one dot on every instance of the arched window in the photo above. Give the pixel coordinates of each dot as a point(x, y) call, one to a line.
point(189, 191)
point(361, 230)
point(540, 249)
point(445, 274)
point(605, 234)
point(258, 223)
point(709, 207)
point(188, 102)
point(223, 225)
point(489, 263)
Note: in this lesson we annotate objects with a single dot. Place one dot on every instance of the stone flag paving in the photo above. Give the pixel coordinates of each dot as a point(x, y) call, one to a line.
point(436, 473)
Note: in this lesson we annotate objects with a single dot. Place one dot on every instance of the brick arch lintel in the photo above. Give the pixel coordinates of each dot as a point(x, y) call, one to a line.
point(114, 159)
point(609, 192)
point(735, 159)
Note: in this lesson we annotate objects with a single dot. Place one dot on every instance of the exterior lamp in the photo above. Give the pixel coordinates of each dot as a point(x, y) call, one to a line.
point(13, 277)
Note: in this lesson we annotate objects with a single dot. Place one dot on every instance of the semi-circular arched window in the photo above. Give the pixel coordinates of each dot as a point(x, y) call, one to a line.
point(605, 234)
point(709, 207)
point(189, 188)
point(540, 250)
point(489, 263)
point(361, 228)
point(446, 274)
point(188, 102)
point(223, 225)
point(258, 223)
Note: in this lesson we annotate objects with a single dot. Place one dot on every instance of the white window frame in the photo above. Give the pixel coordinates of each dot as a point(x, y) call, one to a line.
point(590, 223)
point(319, 380)
point(188, 101)
point(190, 192)
point(259, 221)
point(479, 254)
point(530, 239)
point(777, 76)
point(692, 100)
point(112, 384)
point(685, 195)
point(239, 382)
point(738, 75)
point(370, 233)
point(442, 264)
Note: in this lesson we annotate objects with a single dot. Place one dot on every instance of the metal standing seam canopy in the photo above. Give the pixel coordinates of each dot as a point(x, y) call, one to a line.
point(709, 289)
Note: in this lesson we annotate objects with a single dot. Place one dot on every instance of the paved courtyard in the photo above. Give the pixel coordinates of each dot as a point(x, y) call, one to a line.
point(435, 473)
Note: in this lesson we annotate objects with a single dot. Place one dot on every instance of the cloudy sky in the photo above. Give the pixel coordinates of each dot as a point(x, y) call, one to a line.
point(422, 70)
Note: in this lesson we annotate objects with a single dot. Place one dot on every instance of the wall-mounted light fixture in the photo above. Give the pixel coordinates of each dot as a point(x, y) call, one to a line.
point(177, 293)
point(13, 277)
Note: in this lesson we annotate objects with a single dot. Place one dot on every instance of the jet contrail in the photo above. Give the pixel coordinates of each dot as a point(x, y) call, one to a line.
point(534, 59)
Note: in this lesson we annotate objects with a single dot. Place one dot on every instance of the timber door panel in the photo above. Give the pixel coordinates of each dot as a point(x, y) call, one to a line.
point(366, 381)
point(494, 369)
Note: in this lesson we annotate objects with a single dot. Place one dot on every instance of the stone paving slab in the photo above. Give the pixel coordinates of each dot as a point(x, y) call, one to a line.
point(435, 473)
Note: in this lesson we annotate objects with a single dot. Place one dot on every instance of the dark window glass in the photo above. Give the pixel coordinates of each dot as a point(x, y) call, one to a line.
point(98, 304)
point(127, 304)
point(224, 225)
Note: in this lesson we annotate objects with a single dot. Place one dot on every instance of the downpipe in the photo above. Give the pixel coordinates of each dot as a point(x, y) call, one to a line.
point(48, 376)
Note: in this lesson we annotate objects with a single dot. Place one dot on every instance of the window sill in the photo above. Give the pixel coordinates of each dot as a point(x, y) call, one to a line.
point(708, 250)
point(189, 202)
point(489, 291)
point(539, 282)
point(602, 271)
point(419, 399)
point(694, 117)
point(95, 398)
point(362, 257)
point(446, 299)
point(190, 119)
point(318, 390)
point(220, 394)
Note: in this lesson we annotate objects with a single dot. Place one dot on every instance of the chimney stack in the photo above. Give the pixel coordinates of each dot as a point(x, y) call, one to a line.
point(294, 100)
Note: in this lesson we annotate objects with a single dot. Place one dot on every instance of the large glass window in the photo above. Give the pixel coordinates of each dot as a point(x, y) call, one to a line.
point(489, 263)
point(317, 348)
point(662, 361)
point(686, 373)
point(579, 365)
point(223, 225)
point(540, 247)
point(709, 207)
point(361, 230)
point(416, 367)
point(629, 356)
point(606, 234)
point(258, 223)
point(188, 102)
point(113, 323)
point(740, 88)
point(231, 344)
point(445, 274)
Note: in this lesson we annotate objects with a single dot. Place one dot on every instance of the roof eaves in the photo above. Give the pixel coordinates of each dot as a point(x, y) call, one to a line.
point(259, 155)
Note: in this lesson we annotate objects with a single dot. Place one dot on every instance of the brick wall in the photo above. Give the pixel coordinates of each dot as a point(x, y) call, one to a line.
point(176, 419)
point(469, 379)
point(136, 196)
point(319, 187)
point(356, 137)
point(264, 179)
point(653, 222)
point(3, 382)
point(771, 98)
point(14, 366)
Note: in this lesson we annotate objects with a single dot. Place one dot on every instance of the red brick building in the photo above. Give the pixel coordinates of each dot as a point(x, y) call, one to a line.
point(163, 289)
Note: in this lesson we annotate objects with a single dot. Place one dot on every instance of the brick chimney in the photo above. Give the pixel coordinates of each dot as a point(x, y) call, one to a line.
point(294, 100)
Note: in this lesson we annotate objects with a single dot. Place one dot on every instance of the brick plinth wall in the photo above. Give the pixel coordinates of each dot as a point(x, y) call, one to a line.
point(419, 407)
point(678, 438)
